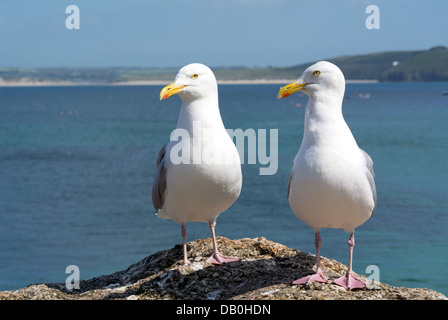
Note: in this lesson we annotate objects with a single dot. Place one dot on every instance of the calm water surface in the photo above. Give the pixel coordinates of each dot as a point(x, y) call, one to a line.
point(76, 169)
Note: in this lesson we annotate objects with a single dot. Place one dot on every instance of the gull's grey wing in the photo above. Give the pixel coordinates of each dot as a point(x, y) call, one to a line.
point(289, 180)
point(159, 183)
point(370, 176)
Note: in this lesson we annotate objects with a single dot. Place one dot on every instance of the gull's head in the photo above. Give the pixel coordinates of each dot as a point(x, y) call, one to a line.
point(192, 82)
point(322, 76)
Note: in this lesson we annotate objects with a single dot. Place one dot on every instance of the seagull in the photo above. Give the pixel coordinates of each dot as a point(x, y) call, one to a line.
point(331, 183)
point(198, 175)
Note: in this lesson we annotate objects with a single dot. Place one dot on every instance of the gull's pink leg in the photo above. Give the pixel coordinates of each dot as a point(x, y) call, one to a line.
point(349, 281)
point(318, 276)
point(184, 240)
point(216, 257)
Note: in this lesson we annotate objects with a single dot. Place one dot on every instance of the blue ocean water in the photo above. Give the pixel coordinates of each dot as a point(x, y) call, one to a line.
point(77, 163)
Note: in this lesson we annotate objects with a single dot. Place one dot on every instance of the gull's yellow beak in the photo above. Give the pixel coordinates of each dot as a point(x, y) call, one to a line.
point(170, 90)
point(290, 89)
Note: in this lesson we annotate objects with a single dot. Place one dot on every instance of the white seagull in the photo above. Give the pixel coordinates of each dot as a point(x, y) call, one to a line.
point(199, 174)
point(331, 184)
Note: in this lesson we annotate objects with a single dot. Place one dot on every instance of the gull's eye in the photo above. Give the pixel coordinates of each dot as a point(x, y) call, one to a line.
point(195, 76)
point(316, 73)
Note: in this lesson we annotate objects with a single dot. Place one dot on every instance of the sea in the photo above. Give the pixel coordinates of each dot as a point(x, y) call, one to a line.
point(77, 166)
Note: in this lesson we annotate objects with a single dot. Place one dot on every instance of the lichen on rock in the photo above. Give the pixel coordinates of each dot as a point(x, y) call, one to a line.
point(266, 272)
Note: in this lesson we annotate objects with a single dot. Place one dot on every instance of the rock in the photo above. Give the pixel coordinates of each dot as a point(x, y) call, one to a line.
point(266, 271)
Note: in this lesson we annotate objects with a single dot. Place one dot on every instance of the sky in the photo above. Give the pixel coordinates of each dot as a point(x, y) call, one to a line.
point(219, 33)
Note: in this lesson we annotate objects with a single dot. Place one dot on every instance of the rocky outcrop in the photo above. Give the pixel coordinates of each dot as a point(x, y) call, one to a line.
point(266, 271)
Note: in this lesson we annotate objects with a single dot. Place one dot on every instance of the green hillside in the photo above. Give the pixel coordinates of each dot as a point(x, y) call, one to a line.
point(428, 65)
point(422, 65)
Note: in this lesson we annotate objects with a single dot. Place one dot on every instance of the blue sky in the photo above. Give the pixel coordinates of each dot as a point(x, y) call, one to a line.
point(217, 33)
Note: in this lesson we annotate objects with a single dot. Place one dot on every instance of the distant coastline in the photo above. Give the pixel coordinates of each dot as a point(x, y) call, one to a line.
point(396, 66)
point(31, 83)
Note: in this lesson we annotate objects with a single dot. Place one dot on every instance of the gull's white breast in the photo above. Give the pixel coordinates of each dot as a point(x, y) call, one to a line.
point(201, 191)
point(329, 186)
